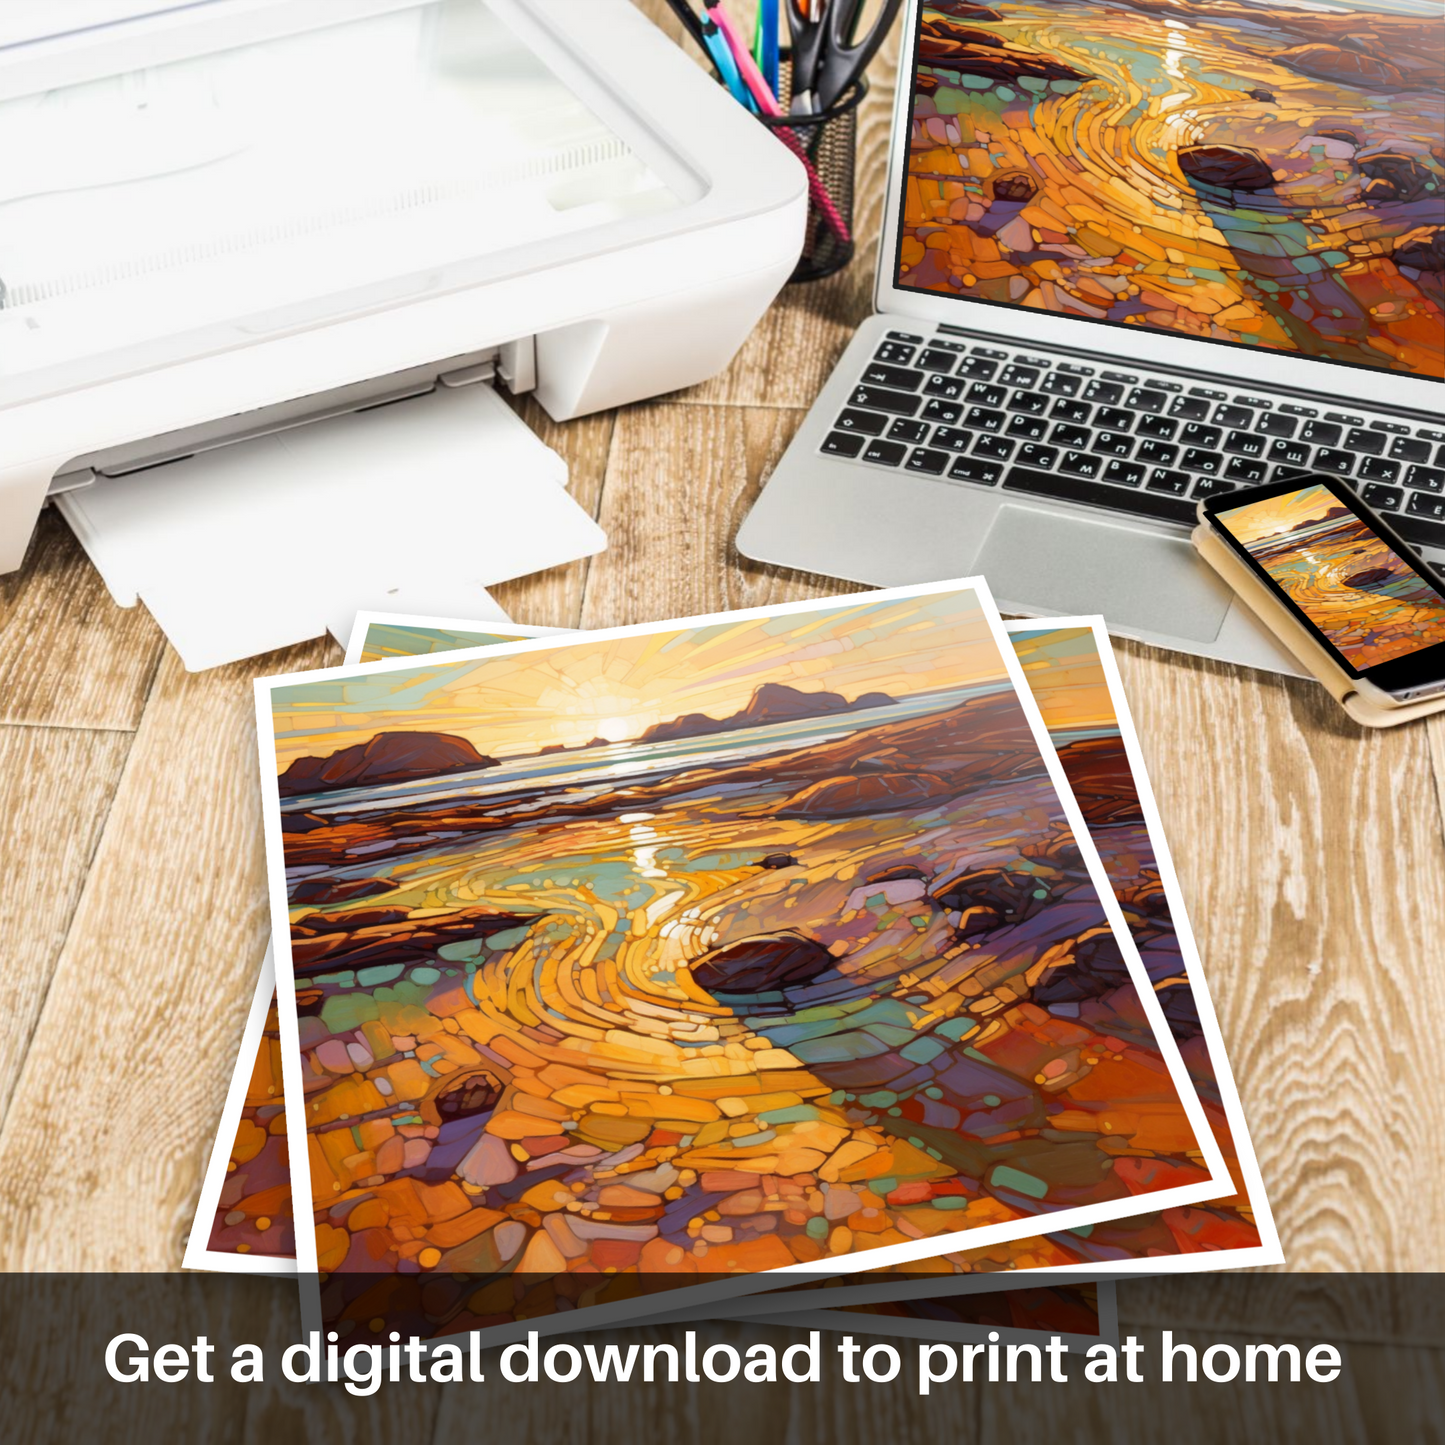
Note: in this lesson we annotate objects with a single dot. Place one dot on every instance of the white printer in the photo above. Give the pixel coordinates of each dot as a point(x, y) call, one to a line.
point(227, 224)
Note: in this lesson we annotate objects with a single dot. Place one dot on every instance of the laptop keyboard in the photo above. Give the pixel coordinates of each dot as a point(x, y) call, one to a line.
point(1140, 443)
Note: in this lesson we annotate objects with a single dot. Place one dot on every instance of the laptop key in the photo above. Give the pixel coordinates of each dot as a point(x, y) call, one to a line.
point(877, 398)
point(1272, 424)
point(944, 411)
point(925, 460)
point(954, 438)
point(1160, 427)
point(1124, 474)
point(1081, 464)
point(1107, 392)
point(877, 374)
point(1061, 383)
point(1071, 436)
point(1418, 530)
point(1113, 444)
point(1377, 469)
point(1322, 433)
point(986, 395)
point(1189, 408)
point(895, 353)
point(1368, 443)
point(983, 419)
point(1420, 505)
point(843, 444)
point(1032, 456)
point(978, 368)
point(1427, 479)
point(998, 449)
point(887, 454)
point(1199, 460)
point(1034, 403)
point(907, 430)
point(1195, 435)
point(1143, 399)
point(948, 387)
point(1031, 428)
point(1016, 375)
point(1288, 453)
point(905, 336)
point(867, 422)
point(1382, 498)
point(1071, 411)
point(1245, 443)
point(1113, 418)
point(1236, 416)
point(1210, 487)
point(1156, 453)
point(972, 469)
point(1162, 479)
point(933, 359)
point(1332, 459)
point(1242, 469)
point(1099, 494)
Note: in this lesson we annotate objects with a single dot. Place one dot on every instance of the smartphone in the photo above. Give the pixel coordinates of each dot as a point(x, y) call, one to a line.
point(1341, 570)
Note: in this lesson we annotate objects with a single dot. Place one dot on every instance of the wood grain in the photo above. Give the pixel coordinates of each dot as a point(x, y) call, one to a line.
point(1311, 856)
point(56, 786)
point(110, 1121)
point(96, 660)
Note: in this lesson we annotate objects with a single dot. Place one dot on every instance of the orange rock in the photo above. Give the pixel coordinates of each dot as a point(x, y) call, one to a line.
point(331, 1247)
point(452, 1232)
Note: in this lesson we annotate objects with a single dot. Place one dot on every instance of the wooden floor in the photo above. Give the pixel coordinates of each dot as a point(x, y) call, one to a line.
point(1311, 852)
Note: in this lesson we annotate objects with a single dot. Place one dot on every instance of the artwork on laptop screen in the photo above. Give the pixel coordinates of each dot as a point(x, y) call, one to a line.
point(1251, 171)
point(1366, 599)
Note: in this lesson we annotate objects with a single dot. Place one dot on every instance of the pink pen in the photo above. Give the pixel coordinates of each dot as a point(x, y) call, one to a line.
point(768, 105)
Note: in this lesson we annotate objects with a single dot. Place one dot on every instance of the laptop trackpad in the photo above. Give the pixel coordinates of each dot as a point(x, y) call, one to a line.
point(1072, 564)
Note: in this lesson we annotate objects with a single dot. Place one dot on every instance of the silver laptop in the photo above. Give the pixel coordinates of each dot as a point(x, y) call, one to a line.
point(1134, 255)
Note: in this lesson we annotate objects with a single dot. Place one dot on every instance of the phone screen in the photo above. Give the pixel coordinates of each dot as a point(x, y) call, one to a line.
point(1372, 605)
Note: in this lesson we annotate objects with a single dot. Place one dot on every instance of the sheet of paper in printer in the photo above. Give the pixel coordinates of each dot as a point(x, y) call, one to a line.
point(417, 506)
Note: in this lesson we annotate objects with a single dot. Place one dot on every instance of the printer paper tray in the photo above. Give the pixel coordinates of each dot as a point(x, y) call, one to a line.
point(417, 506)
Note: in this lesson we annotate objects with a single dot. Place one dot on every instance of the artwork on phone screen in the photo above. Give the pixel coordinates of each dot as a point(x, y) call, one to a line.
point(1251, 171)
point(1366, 599)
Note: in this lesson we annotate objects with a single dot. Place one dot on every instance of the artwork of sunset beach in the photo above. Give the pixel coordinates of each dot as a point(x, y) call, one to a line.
point(1267, 173)
point(690, 953)
point(1371, 604)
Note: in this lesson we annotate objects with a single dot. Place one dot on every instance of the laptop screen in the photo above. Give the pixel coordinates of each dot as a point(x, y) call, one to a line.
point(1265, 173)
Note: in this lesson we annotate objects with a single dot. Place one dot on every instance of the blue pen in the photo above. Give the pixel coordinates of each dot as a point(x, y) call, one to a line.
point(727, 67)
point(768, 28)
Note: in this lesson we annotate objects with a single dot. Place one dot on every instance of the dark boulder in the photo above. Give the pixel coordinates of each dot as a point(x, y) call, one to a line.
point(1347, 67)
point(1422, 248)
point(764, 963)
point(777, 860)
point(1370, 577)
point(1263, 95)
point(990, 898)
point(1339, 133)
point(351, 918)
point(1097, 968)
point(1230, 167)
point(1014, 186)
point(898, 873)
point(1394, 177)
point(416, 939)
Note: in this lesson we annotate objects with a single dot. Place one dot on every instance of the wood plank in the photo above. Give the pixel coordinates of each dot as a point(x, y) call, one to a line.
point(554, 598)
point(56, 786)
point(1314, 869)
point(115, 1108)
point(679, 481)
point(69, 657)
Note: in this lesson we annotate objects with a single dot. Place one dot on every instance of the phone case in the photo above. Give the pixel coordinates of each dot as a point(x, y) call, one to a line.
point(1300, 641)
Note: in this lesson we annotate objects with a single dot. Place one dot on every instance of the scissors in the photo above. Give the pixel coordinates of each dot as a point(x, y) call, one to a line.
point(828, 55)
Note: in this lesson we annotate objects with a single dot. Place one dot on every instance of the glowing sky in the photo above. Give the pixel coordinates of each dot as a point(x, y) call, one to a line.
point(1278, 514)
point(574, 689)
point(1066, 677)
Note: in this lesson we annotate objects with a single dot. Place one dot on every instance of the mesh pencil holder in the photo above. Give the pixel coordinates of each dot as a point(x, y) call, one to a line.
point(827, 144)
